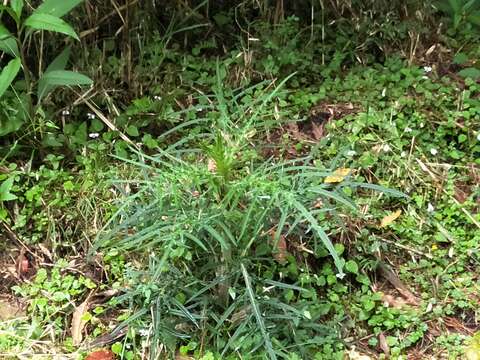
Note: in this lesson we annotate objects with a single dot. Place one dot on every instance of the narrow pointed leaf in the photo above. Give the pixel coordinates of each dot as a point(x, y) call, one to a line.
point(50, 23)
point(57, 8)
point(65, 78)
point(8, 74)
point(7, 42)
point(17, 6)
point(59, 63)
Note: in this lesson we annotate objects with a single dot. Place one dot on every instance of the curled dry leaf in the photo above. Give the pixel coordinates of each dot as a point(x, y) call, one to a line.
point(22, 263)
point(394, 302)
point(393, 279)
point(389, 219)
point(78, 323)
point(352, 354)
point(281, 252)
point(338, 176)
point(382, 340)
point(183, 357)
point(211, 165)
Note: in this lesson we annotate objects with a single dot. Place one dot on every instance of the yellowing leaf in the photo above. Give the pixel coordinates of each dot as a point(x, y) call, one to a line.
point(387, 220)
point(337, 176)
point(472, 351)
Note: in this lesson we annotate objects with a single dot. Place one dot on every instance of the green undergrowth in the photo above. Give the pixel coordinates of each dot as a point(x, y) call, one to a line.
point(220, 231)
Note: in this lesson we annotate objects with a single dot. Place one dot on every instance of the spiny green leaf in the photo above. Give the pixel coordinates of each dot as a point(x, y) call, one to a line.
point(258, 315)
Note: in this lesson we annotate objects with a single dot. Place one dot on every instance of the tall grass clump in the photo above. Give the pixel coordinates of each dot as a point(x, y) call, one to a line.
point(211, 220)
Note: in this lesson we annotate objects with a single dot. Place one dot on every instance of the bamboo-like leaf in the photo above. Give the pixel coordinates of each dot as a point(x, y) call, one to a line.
point(17, 6)
point(8, 74)
point(8, 44)
point(57, 8)
point(65, 78)
point(59, 63)
point(38, 21)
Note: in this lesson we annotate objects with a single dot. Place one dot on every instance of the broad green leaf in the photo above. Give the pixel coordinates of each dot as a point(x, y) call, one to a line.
point(470, 72)
point(8, 44)
point(474, 18)
point(351, 266)
point(8, 74)
point(65, 78)
point(59, 63)
point(460, 58)
point(17, 6)
point(57, 8)
point(5, 187)
point(50, 23)
point(10, 12)
point(12, 119)
point(455, 5)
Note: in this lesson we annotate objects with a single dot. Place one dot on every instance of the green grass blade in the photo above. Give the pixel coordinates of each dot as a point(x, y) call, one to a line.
point(258, 315)
point(321, 234)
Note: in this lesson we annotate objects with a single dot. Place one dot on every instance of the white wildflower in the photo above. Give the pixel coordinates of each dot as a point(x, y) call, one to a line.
point(408, 130)
point(429, 307)
point(430, 208)
point(403, 154)
point(433, 151)
point(158, 98)
point(386, 148)
point(90, 116)
point(144, 332)
point(351, 153)
point(93, 135)
point(427, 69)
point(65, 112)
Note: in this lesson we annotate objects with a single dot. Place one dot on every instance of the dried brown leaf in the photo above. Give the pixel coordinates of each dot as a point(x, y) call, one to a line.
point(101, 355)
point(389, 219)
point(382, 340)
point(78, 323)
